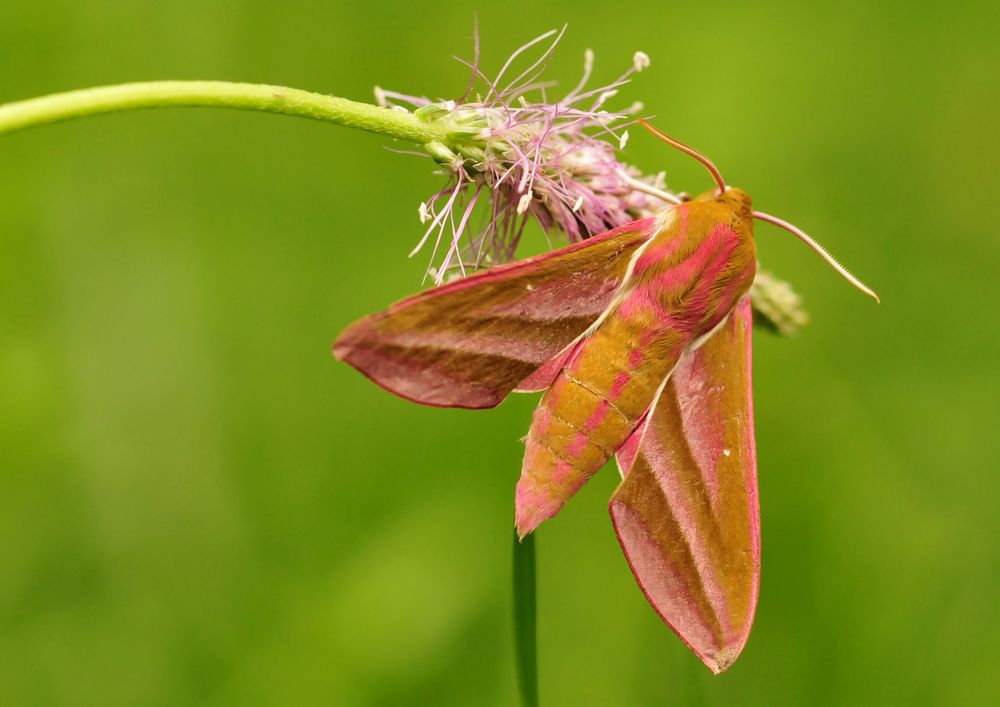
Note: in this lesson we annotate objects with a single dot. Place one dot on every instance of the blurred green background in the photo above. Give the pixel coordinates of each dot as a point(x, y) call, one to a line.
point(199, 506)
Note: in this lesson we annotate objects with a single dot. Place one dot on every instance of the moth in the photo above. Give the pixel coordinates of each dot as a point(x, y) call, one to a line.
point(640, 339)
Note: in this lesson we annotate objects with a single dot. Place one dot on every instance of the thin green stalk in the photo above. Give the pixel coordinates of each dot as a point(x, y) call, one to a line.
point(218, 94)
point(525, 620)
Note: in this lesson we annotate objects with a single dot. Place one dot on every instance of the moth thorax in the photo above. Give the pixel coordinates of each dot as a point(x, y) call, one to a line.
point(733, 198)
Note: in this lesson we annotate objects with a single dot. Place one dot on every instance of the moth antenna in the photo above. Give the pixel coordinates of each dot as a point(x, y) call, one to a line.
point(709, 165)
point(844, 272)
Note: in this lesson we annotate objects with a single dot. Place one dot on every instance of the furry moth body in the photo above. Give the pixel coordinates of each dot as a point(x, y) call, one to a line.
point(640, 338)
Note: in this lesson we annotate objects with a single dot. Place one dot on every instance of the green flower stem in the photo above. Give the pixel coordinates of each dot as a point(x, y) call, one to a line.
point(218, 94)
point(525, 620)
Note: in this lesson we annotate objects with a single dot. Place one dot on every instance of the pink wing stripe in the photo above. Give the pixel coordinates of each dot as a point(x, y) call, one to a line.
point(664, 251)
point(524, 266)
point(546, 375)
point(710, 251)
point(705, 435)
point(687, 511)
point(625, 456)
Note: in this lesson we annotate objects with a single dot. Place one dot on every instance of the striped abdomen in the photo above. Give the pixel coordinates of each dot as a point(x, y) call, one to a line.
point(683, 284)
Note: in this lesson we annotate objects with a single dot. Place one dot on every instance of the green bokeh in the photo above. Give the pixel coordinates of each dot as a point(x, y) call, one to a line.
point(199, 506)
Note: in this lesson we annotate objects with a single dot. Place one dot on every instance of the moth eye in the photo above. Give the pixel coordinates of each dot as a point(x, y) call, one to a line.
point(684, 196)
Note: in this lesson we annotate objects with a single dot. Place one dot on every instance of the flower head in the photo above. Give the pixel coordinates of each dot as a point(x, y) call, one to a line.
point(521, 157)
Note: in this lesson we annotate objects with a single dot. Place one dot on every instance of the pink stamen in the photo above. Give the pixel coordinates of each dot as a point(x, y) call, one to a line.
point(551, 159)
point(538, 62)
point(457, 233)
point(518, 52)
point(475, 60)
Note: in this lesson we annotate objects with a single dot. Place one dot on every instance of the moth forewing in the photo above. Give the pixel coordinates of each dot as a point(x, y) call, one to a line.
point(471, 342)
point(687, 514)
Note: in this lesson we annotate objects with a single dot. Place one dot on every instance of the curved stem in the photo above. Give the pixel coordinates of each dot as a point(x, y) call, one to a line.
point(217, 94)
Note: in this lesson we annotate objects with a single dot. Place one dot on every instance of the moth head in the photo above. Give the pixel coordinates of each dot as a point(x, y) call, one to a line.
point(733, 198)
point(740, 201)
